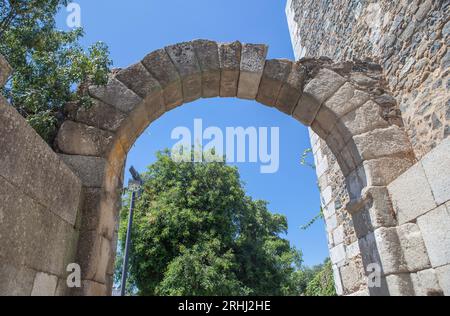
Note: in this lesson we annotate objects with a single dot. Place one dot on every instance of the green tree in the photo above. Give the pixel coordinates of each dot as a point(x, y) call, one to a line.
point(50, 66)
point(322, 284)
point(197, 233)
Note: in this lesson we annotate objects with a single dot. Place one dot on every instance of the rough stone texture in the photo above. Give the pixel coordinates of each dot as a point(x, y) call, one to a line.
point(40, 199)
point(89, 169)
point(408, 38)
point(80, 139)
point(436, 164)
point(413, 248)
point(230, 64)
point(435, 228)
point(316, 92)
point(116, 94)
point(275, 74)
point(184, 58)
point(426, 283)
point(99, 115)
point(382, 142)
point(44, 285)
point(409, 205)
point(348, 104)
point(292, 89)
point(138, 79)
point(160, 66)
point(443, 274)
point(252, 65)
point(208, 58)
point(28, 163)
point(15, 280)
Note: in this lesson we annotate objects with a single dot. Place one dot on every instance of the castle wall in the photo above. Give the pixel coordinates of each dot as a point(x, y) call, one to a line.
point(39, 202)
point(410, 40)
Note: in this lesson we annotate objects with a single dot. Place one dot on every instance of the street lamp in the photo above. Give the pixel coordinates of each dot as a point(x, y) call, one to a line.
point(134, 186)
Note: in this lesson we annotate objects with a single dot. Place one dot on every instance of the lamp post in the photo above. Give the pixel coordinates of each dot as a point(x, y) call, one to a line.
point(134, 186)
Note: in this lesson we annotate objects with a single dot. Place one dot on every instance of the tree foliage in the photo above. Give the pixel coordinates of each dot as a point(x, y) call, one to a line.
point(50, 66)
point(196, 233)
point(322, 284)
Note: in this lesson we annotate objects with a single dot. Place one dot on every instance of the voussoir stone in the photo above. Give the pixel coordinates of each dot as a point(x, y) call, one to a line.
point(364, 119)
point(346, 99)
point(382, 142)
point(252, 65)
point(316, 92)
point(276, 73)
point(185, 60)
point(291, 91)
point(161, 67)
point(116, 94)
point(138, 79)
point(208, 58)
point(80, 139)
point(100, 115)
point(91, 170)
point(230, 64)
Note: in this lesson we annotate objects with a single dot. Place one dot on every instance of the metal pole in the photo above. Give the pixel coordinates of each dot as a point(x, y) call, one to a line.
point(127, 245)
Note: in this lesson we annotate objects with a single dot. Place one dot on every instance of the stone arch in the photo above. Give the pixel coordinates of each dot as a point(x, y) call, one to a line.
point(346, 104)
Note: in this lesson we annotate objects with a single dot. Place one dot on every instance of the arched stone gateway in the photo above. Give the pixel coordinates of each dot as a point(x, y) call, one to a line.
point(346, 104)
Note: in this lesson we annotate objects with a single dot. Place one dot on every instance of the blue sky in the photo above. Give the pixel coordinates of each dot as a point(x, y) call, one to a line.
point(134, 28)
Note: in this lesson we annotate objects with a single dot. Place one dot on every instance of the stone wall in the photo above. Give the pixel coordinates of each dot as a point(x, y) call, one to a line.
point(39, 199)
point(410, 39)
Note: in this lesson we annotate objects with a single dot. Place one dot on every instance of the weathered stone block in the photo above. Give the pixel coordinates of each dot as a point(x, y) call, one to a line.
point(100, 115)
point(230, 63)
point(184, 58)
point(382, 142)
point(15, 280)
point(139, 120)
point(337, 280)
point(90, 170)
point(435, 228)
point(160, 66)
point(364, 119)
point(408, 205)
point(115, 93)
point(208, 58)
point(338, 235)
point(252, 66)
point(276, 72)
point(29, 163)
point(138, 79)
point(316, 92)
point(93, 256)
point(291, 91)
point(437, 167)
point(337, 254)
point(324, 122)
point(353, 276)
point(443, 274)
point(383, 171)
point(44, 285)
point(377, 212)
point(426, 283)
point(399, 285)
point(91, 288)
point(80, 139)
point(346, 99)
point(413, 247)
point(383, 247)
